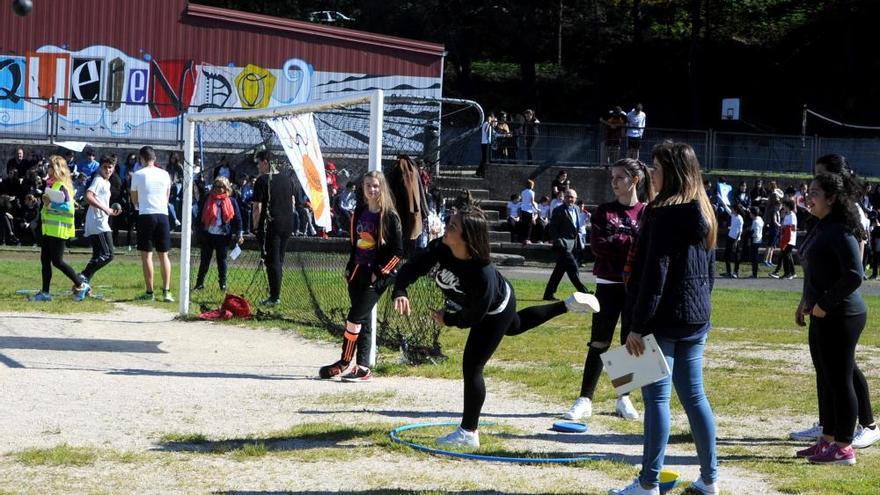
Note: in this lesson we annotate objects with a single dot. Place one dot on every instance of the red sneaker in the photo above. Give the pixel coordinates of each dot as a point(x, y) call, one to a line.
point(332, 370)
point(834, 454)
point(816, 448)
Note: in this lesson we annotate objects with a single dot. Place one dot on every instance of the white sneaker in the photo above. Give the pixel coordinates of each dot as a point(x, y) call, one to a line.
point(865, 437)
point(582, 407)
point(625, 409)
point(581, 302)
point(706, 489)
point(635, 488)
point(807, 435)
point(461, 438)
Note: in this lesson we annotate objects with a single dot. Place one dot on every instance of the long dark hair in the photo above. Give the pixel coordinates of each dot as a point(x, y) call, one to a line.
point(475, 232)
point(637, 168)
point(837, 164)
point(843, 210)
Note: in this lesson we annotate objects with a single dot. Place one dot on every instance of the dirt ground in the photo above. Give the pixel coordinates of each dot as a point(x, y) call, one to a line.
point(117, 383)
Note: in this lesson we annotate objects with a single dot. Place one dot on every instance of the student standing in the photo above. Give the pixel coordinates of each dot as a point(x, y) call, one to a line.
point(787, 241)
point(150, 187)
point(615, 226)
point(756, 233)
point(219, 227)
point(56, 217)
point(479, 298)
point(565, 225)
point(97, 227)
point(273, 205)
point(731, 247)
point(670, 289)
point(376, 250)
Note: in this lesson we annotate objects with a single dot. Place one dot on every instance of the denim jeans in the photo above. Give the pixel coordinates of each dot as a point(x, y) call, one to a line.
point(686, 362)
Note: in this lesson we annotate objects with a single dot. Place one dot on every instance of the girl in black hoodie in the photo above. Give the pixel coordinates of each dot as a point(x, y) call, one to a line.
point(479, 298)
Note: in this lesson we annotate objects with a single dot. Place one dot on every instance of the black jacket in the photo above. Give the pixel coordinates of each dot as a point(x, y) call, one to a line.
point(472, 288)
point(832, 269)
point(388, 255)
point(563, 231)
point(670, 288)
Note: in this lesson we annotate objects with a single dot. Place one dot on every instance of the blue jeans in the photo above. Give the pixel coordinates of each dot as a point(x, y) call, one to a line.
point(686, 362)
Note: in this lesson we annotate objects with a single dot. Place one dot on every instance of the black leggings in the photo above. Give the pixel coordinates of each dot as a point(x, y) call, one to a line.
point(611, 298)
point(482, 341)
point(363, 294)
point(786, 261)
point(274, 245)
point(833, 342)
point(52, 254)
point(211, 243)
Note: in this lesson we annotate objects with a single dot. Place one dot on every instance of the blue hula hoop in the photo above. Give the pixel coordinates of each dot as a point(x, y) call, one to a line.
point(395, 437)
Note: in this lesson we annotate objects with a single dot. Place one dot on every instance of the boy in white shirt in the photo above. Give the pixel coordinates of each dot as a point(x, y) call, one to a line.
point(731, 247)
point(757, 234)
point(788, 240)
point(97, 227)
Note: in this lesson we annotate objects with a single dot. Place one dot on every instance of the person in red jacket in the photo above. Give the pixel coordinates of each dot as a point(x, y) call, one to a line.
point(615, 226)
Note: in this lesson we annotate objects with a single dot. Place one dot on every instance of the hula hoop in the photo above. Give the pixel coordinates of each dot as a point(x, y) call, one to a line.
point(476, 457)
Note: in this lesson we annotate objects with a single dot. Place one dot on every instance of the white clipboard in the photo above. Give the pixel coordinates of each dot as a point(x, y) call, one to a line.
point(628, 372)
point(235, 253)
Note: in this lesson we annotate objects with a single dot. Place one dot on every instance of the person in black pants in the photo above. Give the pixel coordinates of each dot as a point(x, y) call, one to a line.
point(273, 204)
point(219, 225)
point(376, 249)
point(479, 298)
point(564, 226)
point(832, 276)
point(615, 226)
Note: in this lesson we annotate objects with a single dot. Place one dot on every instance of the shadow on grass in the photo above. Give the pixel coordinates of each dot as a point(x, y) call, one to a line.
point(324, 439)
point(434, 415)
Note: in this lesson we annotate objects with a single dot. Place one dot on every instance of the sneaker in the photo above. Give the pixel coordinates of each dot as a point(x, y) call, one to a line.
point(808, 435)
point(816, 448)
point(82, 292)
point(582, 408)
point(582, 302)
point(704, 488)
point(791, 277)
point(774, 275)
point(865, 437)
point(223, 287)
point(199, 287)
point(625, 409)
point(146, 296)
point(734, 275)
point(635, 488)
point(332, 370)
point(834, 454)
point(41, 297)
point(270, 302)
point(166, 296)
point(461, 438)
point(358, 374)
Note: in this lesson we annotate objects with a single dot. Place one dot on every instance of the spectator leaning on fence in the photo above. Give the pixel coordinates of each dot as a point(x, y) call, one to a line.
point(487, 128)
point(635, 129)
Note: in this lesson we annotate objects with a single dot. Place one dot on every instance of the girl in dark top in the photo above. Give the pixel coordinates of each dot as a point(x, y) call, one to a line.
point(479, 298)
point(219, 226)
point(376, 249)
point(669, 288)
point(615, 226)
point(832, 275)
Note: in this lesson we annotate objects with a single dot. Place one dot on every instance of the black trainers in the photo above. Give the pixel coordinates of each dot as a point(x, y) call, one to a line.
point(358, 374)
point(332, 370)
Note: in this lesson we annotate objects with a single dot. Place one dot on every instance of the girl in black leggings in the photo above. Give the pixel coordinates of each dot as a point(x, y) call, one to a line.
point(479, 298)
point(832, 276)
point(615, 226)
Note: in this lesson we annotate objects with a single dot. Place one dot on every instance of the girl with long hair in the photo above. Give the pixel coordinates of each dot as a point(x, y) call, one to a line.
point(376, 250)
point(56, 218)
point(832, 275)
point(615, 226)
point(219, 227)
point(669, 289)
point(477, 297)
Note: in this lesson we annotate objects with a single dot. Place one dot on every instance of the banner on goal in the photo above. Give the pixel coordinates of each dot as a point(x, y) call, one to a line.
point(299, 138)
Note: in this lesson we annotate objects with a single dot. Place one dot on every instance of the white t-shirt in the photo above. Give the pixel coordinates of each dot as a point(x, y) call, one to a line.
point(736, 226)
point(527, 204)
point(96, 220)
point(152, 185)
point(635, 123)
point(757, 230)
point(791, 219)
point(486, 133)
point(513, 210)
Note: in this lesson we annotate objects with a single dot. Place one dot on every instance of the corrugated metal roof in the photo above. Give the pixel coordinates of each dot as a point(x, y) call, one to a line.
point(175, 29)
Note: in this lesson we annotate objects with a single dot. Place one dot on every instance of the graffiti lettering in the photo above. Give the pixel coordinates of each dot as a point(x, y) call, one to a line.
point(47, 78)
point(172, 84)
point(255, 84)
point(137, 86)
point(12, 83)
point(115, 84)
point(217, 90)
point(85, 80)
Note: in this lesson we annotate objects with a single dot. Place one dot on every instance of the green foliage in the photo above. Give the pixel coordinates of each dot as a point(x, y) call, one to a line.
point(60, 455)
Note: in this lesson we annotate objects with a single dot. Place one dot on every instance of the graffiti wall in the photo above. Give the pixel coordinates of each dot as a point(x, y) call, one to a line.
point(100, 92)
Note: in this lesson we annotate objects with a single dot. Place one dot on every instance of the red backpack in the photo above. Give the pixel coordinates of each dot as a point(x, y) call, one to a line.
point(232, 306)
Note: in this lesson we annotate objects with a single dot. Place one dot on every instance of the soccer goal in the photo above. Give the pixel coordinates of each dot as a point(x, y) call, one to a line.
point(354, 133)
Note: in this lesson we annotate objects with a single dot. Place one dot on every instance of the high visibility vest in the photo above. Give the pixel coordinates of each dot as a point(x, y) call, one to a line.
point(57, 218)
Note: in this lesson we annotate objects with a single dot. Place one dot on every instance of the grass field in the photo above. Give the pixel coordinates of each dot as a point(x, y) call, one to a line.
point(758, 388)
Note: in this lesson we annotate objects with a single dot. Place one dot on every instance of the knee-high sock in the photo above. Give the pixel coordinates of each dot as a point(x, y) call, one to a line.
point(349, 341)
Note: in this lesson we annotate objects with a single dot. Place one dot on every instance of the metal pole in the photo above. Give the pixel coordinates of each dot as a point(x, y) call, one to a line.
point(186, 228)
point(377, 106)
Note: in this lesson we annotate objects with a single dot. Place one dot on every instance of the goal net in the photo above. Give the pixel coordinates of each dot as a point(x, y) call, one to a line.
point(355, 134)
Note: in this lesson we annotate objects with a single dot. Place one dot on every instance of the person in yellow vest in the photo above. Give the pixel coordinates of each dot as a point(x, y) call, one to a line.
point(56, 217)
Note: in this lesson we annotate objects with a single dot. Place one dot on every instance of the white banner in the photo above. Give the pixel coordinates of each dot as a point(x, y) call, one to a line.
point(300, 141)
